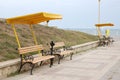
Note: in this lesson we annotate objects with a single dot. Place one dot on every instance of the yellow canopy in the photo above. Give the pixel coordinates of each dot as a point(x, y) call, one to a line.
point(33, 18)
point(105, 24)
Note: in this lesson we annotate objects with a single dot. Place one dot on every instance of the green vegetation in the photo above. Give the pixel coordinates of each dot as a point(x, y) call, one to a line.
point(8, 44)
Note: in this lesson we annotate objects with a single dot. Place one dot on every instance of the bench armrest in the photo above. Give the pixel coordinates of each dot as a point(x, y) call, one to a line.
point(28, 58)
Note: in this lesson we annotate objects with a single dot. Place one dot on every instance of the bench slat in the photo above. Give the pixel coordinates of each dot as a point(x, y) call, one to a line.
point(65, 52)
point(30, 49)
point(38, 59)
point(59, 44)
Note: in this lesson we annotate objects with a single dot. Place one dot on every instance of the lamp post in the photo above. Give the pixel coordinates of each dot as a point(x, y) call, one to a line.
point(98, 28)
point(98, 11)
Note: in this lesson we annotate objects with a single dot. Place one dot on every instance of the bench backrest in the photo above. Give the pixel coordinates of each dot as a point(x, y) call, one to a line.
point(25, 50)
point(59, 44)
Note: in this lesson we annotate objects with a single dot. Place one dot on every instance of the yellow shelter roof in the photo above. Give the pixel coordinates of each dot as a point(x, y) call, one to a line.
point(104, 24)
point(33, 18)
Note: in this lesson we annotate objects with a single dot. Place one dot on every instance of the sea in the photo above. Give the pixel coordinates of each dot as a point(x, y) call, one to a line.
point(115, 33)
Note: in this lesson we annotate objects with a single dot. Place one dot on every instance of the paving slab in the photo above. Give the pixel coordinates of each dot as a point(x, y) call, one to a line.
point(92, 65)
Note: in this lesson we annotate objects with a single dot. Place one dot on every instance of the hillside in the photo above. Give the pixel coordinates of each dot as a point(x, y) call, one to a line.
point(44, 35)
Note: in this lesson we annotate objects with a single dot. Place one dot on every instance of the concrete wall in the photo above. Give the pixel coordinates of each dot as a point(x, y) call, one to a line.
point(12, 66)
point(85, 46)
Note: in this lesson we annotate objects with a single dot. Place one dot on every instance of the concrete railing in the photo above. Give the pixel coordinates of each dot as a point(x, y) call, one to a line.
point(85, 46)
point(9, 67)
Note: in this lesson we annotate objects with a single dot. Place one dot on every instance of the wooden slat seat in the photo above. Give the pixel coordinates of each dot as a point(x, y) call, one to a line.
point(65, 52)
point(33, 59)
point(39, 59)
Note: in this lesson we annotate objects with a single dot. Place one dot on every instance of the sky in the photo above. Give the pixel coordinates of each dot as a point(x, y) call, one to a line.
point(76, 13)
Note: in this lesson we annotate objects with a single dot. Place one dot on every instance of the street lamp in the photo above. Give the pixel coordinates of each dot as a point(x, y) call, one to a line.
point(98, 29)
point(99, 11)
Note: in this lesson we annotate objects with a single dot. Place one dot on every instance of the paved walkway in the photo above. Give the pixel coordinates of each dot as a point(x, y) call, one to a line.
point(97, 64)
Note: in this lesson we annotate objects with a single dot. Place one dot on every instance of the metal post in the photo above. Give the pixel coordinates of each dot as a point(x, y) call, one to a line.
point(51, 49)
point(16, 36)
point(19, 46)
point(98, 11)
point(33, 34)
point(34, 37)
point(98, 28)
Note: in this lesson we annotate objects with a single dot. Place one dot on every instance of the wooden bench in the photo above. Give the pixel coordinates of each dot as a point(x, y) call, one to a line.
point(105, 41)
point(27, 57)
point(55, 50)
point(101, 42)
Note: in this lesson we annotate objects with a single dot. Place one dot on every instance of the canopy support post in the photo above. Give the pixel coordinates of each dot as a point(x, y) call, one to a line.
point(33, 34)
point(99, 32)
point(16, 36)
point(34, 37)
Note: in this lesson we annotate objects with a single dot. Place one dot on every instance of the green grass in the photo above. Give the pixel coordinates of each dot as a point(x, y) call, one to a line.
point(44, 35)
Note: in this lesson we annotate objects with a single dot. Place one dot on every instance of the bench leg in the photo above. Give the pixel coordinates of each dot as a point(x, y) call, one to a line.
point(62, 56)
point(41, 63)
point(32, 66)
point(71, 56)
point(21, 65)
point(51, 62)
point(59, 57)
point(20, 68)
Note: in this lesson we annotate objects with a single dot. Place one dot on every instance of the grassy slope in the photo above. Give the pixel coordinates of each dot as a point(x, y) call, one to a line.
point(44, 35)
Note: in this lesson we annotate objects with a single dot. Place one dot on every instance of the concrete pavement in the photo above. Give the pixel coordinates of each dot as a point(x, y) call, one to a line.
point(96, 64)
